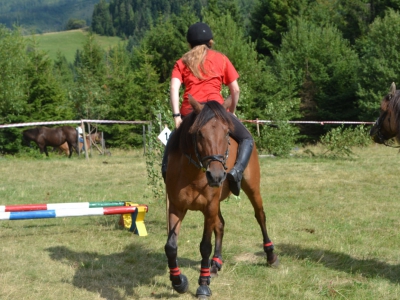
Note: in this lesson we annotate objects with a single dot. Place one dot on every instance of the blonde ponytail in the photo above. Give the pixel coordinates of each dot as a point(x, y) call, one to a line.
point(194, 60)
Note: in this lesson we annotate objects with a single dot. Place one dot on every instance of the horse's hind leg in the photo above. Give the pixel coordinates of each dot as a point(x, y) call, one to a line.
point(252, 190)
point(178, 280)
point(216, 262)
point(70, 149)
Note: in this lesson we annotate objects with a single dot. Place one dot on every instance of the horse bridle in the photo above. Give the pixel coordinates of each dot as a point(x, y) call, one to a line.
point(379, 134)
point(222, 158)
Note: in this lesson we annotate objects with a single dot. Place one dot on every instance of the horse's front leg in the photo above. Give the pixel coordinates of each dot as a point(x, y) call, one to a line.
point(178, 280)
point(210, 222)
point(216, 262)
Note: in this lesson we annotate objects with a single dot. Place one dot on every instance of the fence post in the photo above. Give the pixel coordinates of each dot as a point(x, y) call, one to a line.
point(144, 139)
point(84, 140)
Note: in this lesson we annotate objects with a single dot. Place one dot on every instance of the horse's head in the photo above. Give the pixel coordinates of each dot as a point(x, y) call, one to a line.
point(387, 125)
point(96, 137)
point(210, 136)
point(29, 135)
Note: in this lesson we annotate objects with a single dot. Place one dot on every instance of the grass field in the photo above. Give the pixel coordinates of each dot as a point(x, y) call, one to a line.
point(335, 224)
point(67, 42)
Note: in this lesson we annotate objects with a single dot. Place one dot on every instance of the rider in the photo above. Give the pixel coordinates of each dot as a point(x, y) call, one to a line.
point(203, 71)
point(80, 134)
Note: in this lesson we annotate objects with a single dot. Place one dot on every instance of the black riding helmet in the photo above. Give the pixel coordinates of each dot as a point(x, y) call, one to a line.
point(199, 34)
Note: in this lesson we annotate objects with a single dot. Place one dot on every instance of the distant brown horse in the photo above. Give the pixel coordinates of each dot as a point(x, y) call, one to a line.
point(54, 137)
point(92, 138)
point(195, 180)
point(387, 126)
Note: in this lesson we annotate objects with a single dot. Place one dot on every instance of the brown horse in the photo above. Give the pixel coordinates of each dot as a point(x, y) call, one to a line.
point(92, 138)
point(195, 180)
point(387, 126)
point(44, 136)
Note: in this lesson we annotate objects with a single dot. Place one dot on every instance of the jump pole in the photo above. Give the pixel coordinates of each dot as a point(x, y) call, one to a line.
point(132, 214)
point(51, 206)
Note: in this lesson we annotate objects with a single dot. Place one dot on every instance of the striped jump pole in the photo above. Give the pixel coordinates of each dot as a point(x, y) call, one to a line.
point(132, 214)
point(53, 206)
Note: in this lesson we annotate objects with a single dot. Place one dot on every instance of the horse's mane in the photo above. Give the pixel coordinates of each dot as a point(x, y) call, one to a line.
point(394, 107)
point(193, 123)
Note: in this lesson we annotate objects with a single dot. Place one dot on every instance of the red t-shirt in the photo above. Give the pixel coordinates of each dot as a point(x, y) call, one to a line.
point(219, 70)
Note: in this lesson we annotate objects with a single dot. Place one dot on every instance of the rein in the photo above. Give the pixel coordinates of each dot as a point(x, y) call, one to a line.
point(222, 158)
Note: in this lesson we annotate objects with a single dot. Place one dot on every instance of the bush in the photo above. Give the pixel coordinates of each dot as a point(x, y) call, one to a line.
point(340, 140)
point(75, 24)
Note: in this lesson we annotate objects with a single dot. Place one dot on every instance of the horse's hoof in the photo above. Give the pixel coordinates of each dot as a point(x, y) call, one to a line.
point(203, 292)
point(183, 286)
point(274, 262)
point(214, 271)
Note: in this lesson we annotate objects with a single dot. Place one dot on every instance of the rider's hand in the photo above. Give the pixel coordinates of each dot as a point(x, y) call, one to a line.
point(178, 121)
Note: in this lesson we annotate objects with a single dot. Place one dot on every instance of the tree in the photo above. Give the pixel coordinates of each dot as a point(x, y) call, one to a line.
point(101, 19)
point(323, 69)
point(121, 93)
point(166, 43)
point(351, 17)
point(88, 94)
point(13, 86)
point(380, 62)
point(46, 99)
point(270, 19)
point(378, 7)
point(262, 96)
point(13, 80)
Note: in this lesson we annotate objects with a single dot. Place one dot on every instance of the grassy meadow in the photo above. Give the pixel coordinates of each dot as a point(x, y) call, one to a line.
point(335, 224)
point(67, 42)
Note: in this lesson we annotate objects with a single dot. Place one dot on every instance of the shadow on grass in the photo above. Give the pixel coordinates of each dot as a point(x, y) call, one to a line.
point(117, 275)
point(369, 268)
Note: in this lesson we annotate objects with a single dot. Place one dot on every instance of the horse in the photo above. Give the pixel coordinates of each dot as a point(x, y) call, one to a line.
point(200, 153)
point(92, 138)
point(55, 137)
point(387, 126)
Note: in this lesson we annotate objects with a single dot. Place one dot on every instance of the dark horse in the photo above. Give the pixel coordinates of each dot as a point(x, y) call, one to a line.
point(54, 137)
point(195, 180)
point(387, 126)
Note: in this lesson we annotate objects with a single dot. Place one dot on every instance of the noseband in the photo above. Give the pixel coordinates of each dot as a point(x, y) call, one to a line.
point(222, 158)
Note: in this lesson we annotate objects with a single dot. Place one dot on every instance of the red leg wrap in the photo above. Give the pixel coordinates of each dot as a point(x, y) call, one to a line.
point(217, 260)
point(174, 271)
point(205, 272)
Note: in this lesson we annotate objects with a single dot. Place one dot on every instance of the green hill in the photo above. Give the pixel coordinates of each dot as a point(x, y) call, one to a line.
point(39, 16)
point(67, 42)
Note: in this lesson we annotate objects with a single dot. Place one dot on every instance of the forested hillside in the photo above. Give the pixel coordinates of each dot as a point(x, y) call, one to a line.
point(297, 60)
point(39, 16)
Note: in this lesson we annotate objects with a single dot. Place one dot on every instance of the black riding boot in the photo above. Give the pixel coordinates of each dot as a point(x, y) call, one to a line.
point(236, 173)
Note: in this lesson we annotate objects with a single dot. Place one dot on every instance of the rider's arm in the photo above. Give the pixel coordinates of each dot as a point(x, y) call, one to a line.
point(174, 94)
point(235, 92)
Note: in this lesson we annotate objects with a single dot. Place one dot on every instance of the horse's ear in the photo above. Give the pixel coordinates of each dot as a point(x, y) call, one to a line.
point(197, 107)
point(227, 102)
point(392, 89)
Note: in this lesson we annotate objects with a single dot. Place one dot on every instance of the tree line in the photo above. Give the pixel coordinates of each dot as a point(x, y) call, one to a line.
point(297, 60)
point(40, 16)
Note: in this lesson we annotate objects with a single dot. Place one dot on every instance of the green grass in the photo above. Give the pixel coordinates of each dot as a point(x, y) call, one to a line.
point(335, 224)
point(67, 42)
